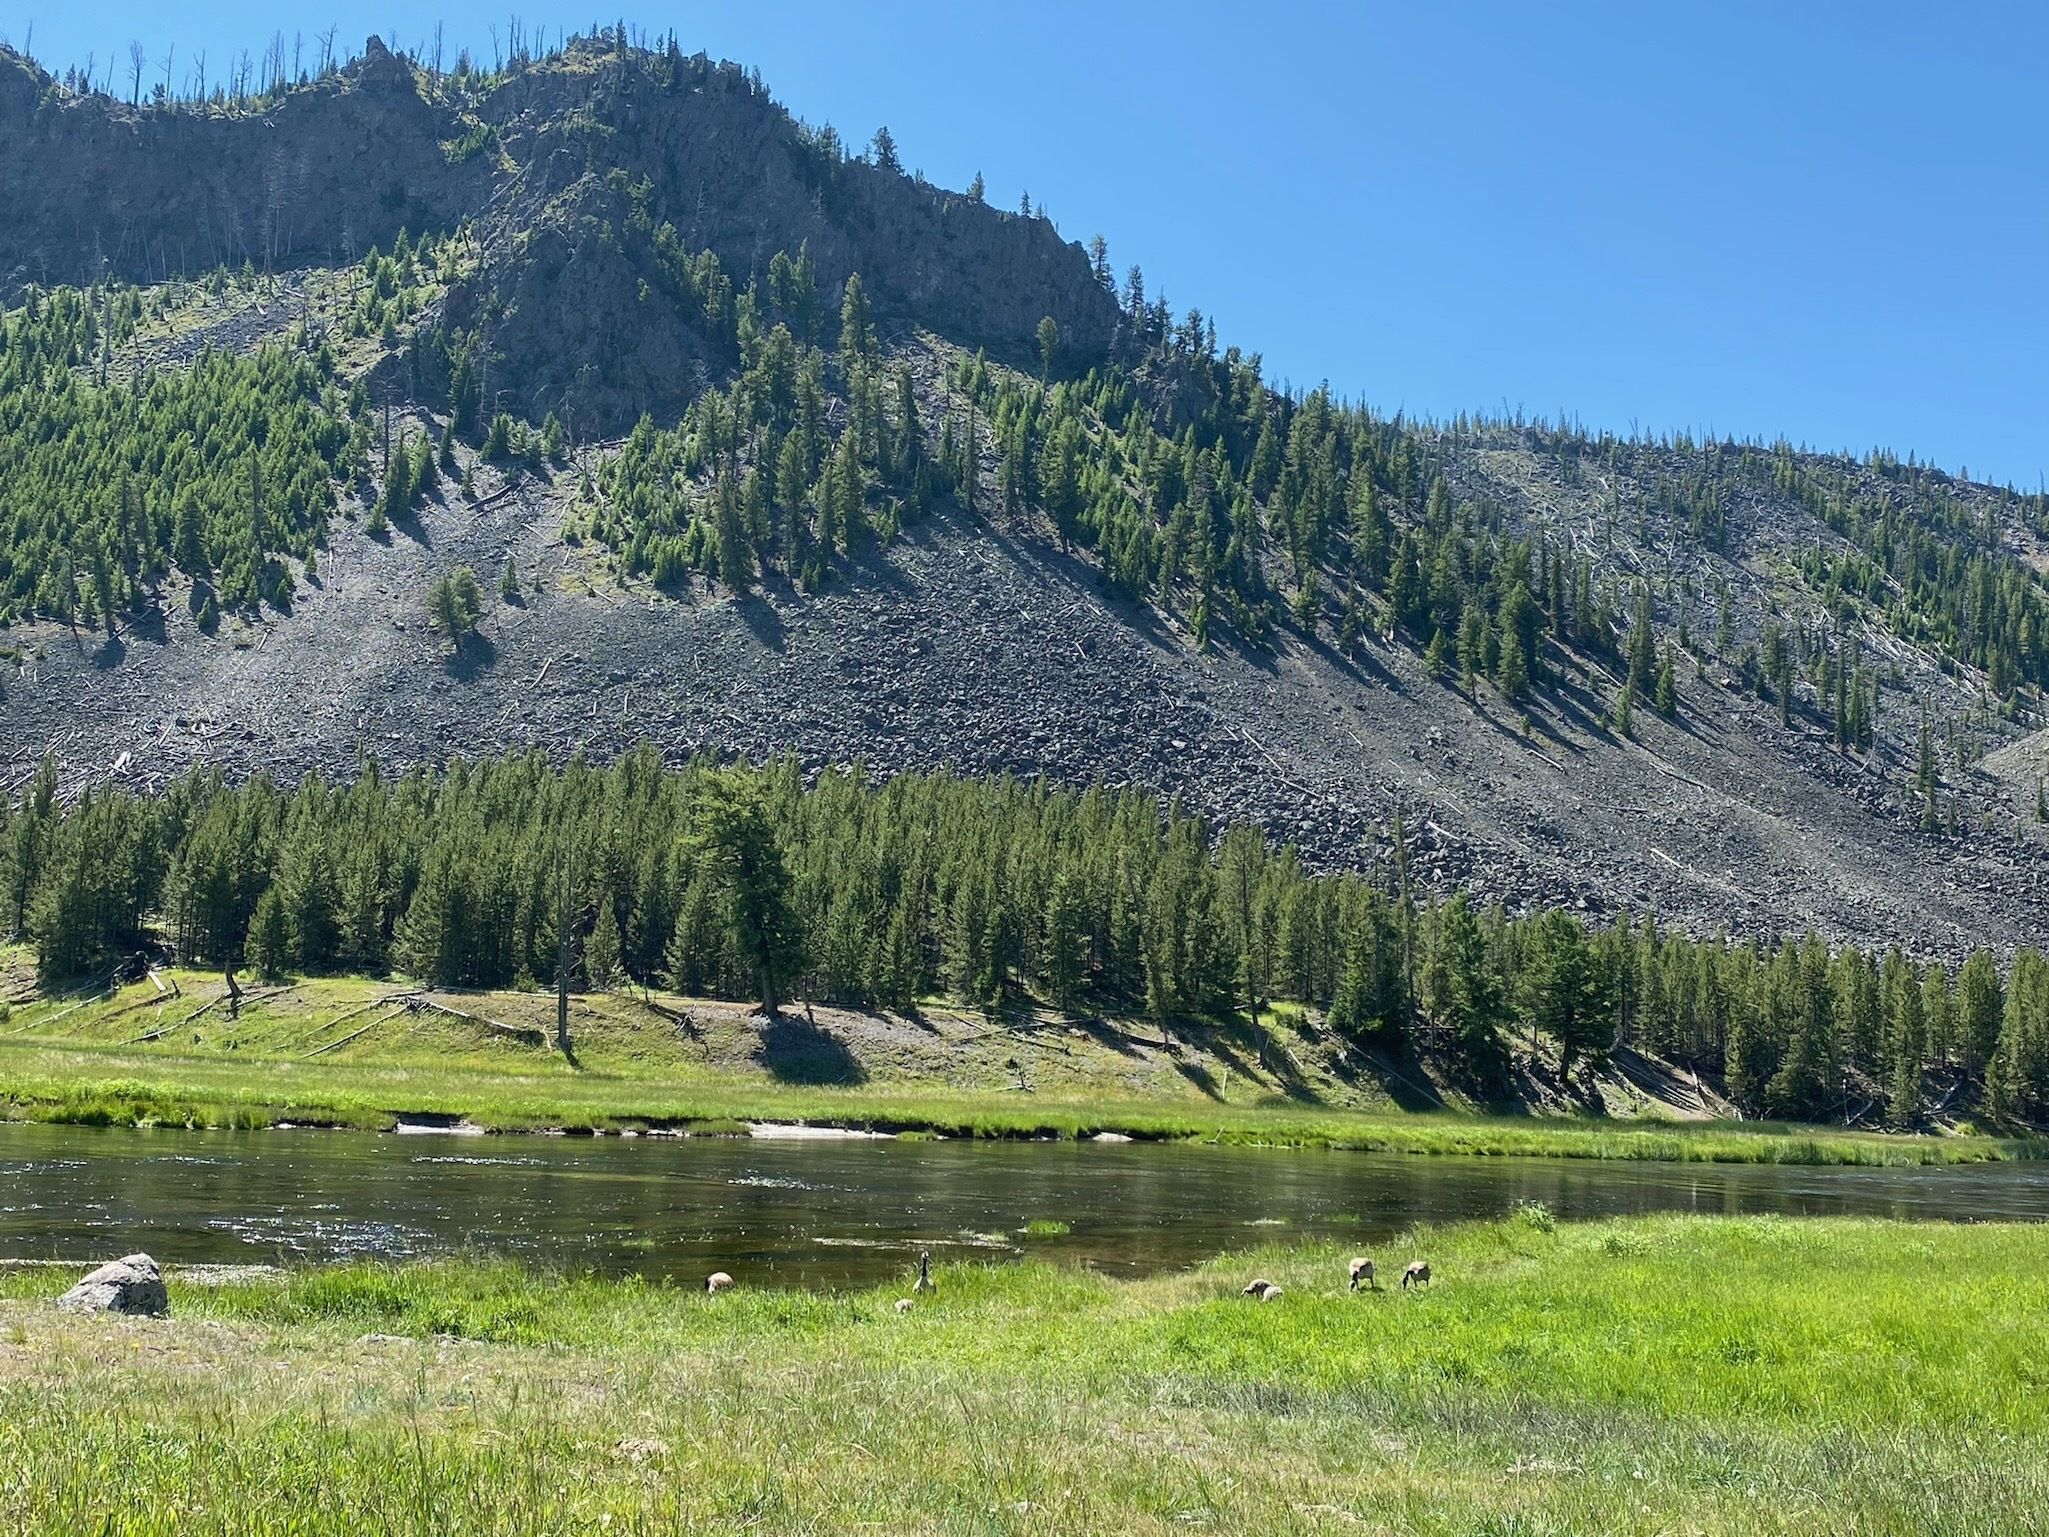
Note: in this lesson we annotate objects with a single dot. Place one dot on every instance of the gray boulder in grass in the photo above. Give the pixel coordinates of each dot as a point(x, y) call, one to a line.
point(133, 1286)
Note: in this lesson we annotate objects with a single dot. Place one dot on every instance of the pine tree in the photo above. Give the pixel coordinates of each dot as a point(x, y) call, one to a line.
point(1642, 647)
point(1566, 992)
point(883, 149)
point(1436, 655)
point(1460, 991)
point(1351, 1011)
point(455, 603)
point(1513, 676)
point(270, 937)
point(735, 555)
point(1906, 1047)
point(857, 328)
point(1925, 781)
point(601, 951)
point(1049, 346)
point(732, 837)
point(1066, 940)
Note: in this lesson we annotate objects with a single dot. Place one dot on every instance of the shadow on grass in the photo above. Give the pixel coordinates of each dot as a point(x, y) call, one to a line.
point(795, 1051)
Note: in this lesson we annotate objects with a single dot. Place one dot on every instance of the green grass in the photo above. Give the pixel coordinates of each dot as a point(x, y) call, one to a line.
point(93, 1085)
point(326, 1054)
point(1650, 1375)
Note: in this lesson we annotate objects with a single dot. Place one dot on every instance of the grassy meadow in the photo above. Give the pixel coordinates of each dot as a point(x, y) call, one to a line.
point(1666, 1374)
point(350, 1052)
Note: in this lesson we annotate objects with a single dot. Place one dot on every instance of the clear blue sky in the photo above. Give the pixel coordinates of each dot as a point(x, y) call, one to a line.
point(1826, 220)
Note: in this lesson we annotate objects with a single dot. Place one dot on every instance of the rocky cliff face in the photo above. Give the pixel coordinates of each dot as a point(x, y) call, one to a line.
point(93, 186)
point(540, 164)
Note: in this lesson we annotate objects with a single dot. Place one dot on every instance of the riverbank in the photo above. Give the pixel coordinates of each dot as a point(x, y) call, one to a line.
point(110, 1087)
point(1701, 1374)
point(374, 1055)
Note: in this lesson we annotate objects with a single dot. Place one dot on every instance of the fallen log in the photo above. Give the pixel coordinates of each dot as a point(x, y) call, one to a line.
point(520, 1032)
point(321, 1051)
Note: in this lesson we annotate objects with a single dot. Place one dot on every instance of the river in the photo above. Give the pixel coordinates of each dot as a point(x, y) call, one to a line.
point(827, 1212)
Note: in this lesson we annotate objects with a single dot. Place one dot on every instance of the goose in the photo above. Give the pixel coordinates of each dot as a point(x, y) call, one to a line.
point(717, 1282)
point(924, 1272)
point(903, 1304)
point(1261, 1290)
point(1361, 1269)
point(1418, 1272)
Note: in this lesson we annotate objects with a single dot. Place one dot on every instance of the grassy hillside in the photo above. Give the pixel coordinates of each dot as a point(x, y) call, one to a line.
point(1705, 1375)
point(363, 1053)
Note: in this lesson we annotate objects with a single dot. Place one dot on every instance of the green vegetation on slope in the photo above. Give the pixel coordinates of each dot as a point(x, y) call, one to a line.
point(1700, 1374)
point(746, 883)
point(219, 470)
point(349, 1052)
point(1199, 488)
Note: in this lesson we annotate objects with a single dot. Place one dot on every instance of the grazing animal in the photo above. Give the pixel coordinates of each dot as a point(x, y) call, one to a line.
point(1418, 1272)
point(1362, 1270)
point(717, 1282)
point(924, 1272)
point(903, 1304)
point(1271, 1294)
point(1258, 1287)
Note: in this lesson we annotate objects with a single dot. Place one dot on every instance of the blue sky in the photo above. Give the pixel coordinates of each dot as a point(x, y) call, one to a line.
point(1827, 221)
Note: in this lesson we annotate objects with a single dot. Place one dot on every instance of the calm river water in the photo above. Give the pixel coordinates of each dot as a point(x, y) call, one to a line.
point(828, 1212)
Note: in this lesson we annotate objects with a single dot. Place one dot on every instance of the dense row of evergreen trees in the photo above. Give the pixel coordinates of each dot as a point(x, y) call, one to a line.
point(745, 883)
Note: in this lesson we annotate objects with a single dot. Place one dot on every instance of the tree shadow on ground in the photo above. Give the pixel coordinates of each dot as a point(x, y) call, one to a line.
point(1402, 1077)
point(477, 654)
point(1104, 1034)
point(794, 1051)
point(1272, 1057)
point(761, 619)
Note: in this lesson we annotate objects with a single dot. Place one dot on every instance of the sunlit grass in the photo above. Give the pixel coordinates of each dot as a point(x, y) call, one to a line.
point(1648, 1375)
point(339, 1052)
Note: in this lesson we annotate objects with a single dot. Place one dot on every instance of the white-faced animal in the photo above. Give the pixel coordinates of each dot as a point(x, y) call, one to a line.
point(1256, 1288)
point(717, 1282)
point(1418, 1274)
point(924, 1272)
point(1361, 1270)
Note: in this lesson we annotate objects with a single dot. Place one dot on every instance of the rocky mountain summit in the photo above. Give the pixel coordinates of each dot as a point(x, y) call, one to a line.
point(537, 165)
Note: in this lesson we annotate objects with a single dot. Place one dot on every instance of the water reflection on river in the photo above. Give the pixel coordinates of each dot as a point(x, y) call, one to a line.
point(829, 1212)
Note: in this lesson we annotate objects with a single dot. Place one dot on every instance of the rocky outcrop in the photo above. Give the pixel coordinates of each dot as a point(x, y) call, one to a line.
point(329, 171)
point(133, 1286)
point(544, 165)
